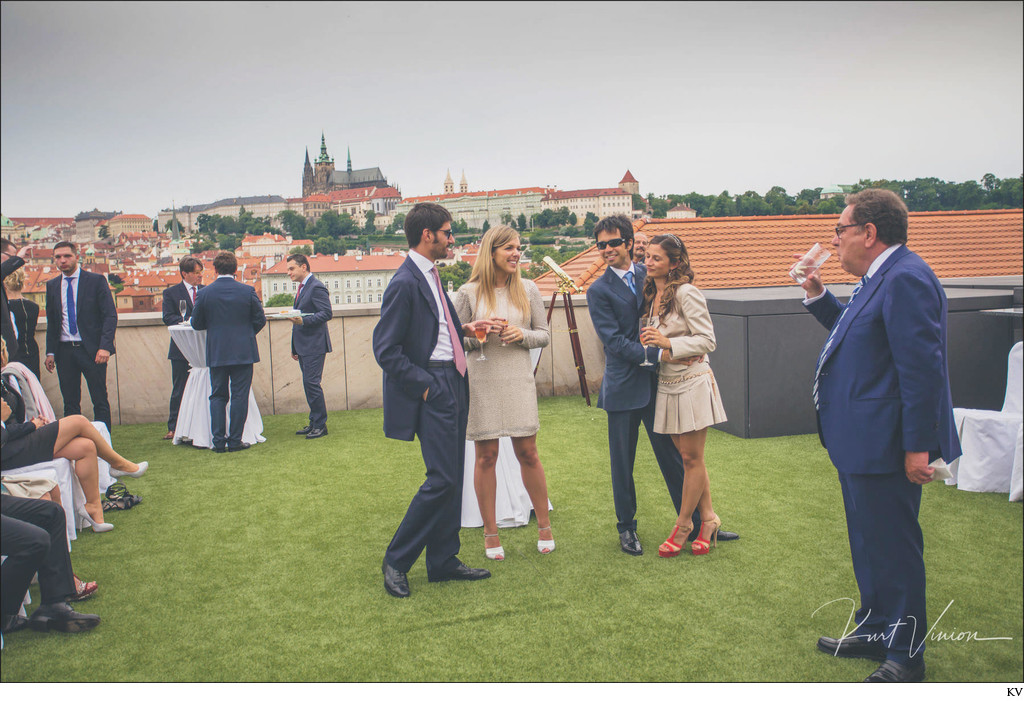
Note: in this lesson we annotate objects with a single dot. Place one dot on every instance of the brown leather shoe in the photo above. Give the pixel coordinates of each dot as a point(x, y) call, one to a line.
point(169, 436)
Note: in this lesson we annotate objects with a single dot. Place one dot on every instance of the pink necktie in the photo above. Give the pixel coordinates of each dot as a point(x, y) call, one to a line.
point(460, 356)
point(299, 292)
point(193, 295)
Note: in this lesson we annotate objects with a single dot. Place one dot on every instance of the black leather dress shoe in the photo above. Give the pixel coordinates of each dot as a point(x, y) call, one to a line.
point(890, 671)
point(304, 430)
point(62, 617)
point(852, 647)
point(240, 446)
point(630, 543)
point(317, 433)
point(219, 449)
point(461, 572)
point(395, 582)
point(722, 535)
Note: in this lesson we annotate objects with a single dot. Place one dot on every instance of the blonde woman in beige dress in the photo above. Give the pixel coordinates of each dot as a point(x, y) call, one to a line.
point(502, 391)
point(688, 400)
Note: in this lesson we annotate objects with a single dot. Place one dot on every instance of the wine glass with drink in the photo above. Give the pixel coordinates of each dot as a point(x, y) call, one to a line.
point(647, 322)
point(480, 331)
point(182, 308)
point(504, 325)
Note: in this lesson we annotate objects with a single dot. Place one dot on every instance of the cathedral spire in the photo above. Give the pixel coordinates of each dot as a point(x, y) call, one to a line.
point(350, 160)
point(307, 156)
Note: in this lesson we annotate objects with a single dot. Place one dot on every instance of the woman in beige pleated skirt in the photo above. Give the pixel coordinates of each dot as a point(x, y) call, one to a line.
point(688, 399)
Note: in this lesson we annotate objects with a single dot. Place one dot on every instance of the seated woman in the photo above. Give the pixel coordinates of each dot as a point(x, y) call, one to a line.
point(73, 438)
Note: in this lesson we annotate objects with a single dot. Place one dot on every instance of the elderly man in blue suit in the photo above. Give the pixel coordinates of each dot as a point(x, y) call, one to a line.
point(81, 321)
point(232, 315)
point(311, 341)
point(881, 389)
point(628, 389)
point(418, 344)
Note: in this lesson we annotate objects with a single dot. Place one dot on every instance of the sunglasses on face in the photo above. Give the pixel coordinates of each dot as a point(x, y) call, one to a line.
point(614, 243)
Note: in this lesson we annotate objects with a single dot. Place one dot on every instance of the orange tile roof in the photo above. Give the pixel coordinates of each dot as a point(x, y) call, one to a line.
point(122, 217)
point(730, 252)
point(480, 193)
point(628, 178)
point(43, 221)
point(344, 264)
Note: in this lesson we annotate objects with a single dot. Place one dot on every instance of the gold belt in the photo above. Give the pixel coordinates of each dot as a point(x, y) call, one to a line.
point(683, 378)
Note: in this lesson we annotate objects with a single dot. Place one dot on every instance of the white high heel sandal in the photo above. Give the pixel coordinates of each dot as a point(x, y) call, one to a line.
point(143, 466)
point(96, 527)
point(545, 546)
point(497, 553)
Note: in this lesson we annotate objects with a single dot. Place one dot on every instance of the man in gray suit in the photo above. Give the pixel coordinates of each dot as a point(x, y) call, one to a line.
point(310, 341)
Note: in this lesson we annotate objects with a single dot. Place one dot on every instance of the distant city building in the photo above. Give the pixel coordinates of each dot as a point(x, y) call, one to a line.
point(87, 224)
point(629, 184)
point(322, 178)
point(259, 206)
point(123, 223)
point(355, 202)
point(475, 208)
point(602, 202)
point(831, 191)
point(681, 211)
point(349, 279)
point(272, 246)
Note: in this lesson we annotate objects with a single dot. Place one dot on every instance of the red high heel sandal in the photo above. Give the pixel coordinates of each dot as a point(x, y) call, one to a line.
point(670, 548)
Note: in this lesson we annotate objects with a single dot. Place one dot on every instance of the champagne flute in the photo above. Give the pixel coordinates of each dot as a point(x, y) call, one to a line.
point(646, 321)
point(480, 331)
point(182, 308)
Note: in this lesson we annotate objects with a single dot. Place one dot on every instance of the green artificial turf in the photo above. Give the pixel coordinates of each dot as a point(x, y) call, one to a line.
point(265, 566)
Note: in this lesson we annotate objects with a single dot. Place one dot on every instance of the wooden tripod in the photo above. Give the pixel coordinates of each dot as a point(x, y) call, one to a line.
point(574, 335)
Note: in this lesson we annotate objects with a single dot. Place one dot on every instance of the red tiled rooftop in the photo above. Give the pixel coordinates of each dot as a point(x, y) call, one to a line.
point(628, 178)
point(43, 221)
point(731, 252)
point(344, 264)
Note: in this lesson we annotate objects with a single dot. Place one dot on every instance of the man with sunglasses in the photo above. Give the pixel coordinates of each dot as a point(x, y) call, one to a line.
point(881, 390)
point(418, 345)
point(628, 390)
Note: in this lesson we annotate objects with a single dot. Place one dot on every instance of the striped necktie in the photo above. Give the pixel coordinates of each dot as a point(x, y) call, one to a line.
point(831, 337)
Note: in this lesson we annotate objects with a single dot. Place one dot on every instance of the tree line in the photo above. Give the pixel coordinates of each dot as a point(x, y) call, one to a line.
point(920, 194)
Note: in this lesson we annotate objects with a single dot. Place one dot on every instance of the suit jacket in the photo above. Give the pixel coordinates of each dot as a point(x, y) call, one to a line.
point(883, 388)
point(171, 314)
point(312, 337)
point(12, 341)
point(403, 340)
point(94, 312)
point(232, 315)
point(615, 312)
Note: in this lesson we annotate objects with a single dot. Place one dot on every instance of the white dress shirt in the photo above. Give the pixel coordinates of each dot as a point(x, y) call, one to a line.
point(443, 350)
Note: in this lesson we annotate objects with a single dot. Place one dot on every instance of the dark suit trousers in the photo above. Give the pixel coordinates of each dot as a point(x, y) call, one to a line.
point(179, 378)
point(312, 373)
point(434, 517)
point(888, 560)
point(231, 381)
point(623, 432)
point(73, 362)
point(34, 539)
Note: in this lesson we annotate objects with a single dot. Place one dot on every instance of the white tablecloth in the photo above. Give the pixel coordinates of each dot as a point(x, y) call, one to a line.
point(194, 415)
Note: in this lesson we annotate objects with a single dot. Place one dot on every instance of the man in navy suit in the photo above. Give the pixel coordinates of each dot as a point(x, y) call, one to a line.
point(310, 341)
point(191, 269)
point(628, 390)
point(232, 315)
point(80, 324)
point(882, 393)
point(418, 344)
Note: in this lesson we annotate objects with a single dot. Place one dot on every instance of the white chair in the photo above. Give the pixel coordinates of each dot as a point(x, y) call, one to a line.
point(989, 439)
point(1017, 476)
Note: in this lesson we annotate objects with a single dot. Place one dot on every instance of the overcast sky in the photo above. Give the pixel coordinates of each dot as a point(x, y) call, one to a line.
point(127, 106)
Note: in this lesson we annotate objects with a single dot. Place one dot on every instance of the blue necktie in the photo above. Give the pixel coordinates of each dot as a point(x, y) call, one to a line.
point(72, 316)
point(629, 281)
point(828, 344)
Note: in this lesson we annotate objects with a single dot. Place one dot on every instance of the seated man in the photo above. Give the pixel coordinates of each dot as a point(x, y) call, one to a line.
point(34, 539)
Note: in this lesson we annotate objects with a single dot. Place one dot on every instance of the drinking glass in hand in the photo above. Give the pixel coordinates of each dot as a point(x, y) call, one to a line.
point(182, 308)
point(480, 332)
point(647, 322)
point(504, 325)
